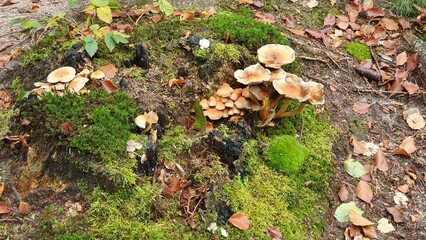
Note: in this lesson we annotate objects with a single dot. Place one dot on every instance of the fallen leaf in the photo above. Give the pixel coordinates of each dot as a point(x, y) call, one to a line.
point(7, 3)
point(360, 107)
point(209, 127)
point(210, 12)
point(352, 16)
point(368, 176)
point(396, 213)
point(239, 220)
point(108, 86)
point(4, 207)
point(359, 146)
point(410, 87)
point(66, 128)
point(1, 189)
point(265, 17)
point(242, 2)
point(342, 25)
point(401, 74)
point(384, 226)
point(401, 58)
point(400, 199)
point(329, 20)
point(342, 211)
point(380, 161)
point(375, 12)
point(314, 33)
point(35, 7)
point(404, 188)
point(257, 3)
point(369, 232)
point(273, 233)
point(407, 147)
point(312, 3)
point(175, 81)
point(109, 70)
point(298, 32)
point(412, 62)
point(367, 4)
point(352, 231)
point(363, 191)
point(414, 118)
point(404, 23)
point(354, 168)
point(343, 193)
point(24, 208)
point(389, 24)
point(187, 16)
point(415, 216)
point(156, 18)
point(358, 220)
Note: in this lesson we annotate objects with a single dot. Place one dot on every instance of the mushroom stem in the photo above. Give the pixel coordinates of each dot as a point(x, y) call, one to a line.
point(292, 113)
point(147, 127)
point(284, 107)
point(276, 101)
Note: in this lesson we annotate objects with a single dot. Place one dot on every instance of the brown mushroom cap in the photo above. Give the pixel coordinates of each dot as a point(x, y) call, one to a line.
point(293, 88)
point(58, 86)
point(252, 74)
point(275, 55)
point(317, 93)
point(150, 118)
point(220, 105)
point(242, 103)
point(225, 113)
point(85, 72)
point(278, 74)
point(212, 101)
point(225, 91)
point(204, 104)
point(63, 74)
point(213, 113)
point(97, 75)
point(258, 92)
point(77, 84)
point(229, 103)
point(236, 94)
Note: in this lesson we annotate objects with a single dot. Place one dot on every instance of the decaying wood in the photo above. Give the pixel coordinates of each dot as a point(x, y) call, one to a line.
point(419, 46)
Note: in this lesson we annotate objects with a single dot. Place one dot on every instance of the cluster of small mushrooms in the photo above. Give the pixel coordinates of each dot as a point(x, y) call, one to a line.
point(267, 86)
point(67, 78)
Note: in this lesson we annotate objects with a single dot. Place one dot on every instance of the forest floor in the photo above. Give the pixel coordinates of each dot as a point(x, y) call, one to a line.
point(367, 113)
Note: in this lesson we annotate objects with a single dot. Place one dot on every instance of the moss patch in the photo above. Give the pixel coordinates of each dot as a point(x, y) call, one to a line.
point(286, 155)
point(358, 50)
point(5, 116)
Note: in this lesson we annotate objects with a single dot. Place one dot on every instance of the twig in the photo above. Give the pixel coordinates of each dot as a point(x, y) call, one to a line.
point(313, 59)
point(122, 9)
point(374, 58)
point(390, 92)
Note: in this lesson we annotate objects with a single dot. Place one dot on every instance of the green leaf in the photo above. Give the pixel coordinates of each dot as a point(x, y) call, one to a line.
point(200, 122)
point(109, 41)
point(17, 20)
point(354, 168)
point(119, 38)
point(22, 94)
point(342, 211)
point(165, 7)
point(90, 45)
point(73, 3)
point(104, 14)
point(94, 27)
point(54, 20)
point(100, 3)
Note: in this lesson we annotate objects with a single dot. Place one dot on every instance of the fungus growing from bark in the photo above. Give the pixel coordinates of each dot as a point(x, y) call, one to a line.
point(275, 55)
point(63, 74)
point(253, 74)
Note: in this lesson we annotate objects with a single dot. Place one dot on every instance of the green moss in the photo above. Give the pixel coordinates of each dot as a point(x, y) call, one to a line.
point(286, 155)
point(358, 50)
point(5, 116)
point(173, 143)
point(102, 124)
point(244, 30)
point(357, 127)
point(218, 52)
point(47, 49)
point(119, 55)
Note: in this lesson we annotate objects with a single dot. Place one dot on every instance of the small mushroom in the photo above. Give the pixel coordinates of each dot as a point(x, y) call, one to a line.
point(278, 74)
point(317, 93)
point(225, 113)
point(220, 105)
point(58, 87)
point(242, 103)
point(145, 118)
point(204, 104)
point(63, 74)
point(85, 72)
point(229, 103)
point(236, 94)
point(258, 92)
point(77, 84)
point(275, 55)
point(252, 75)
point(225, 91)
point(97, 75)
point(213, 113)
point(212, 101)
point(294, 88)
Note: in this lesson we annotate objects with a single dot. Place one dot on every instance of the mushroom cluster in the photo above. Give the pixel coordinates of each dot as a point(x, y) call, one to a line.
point(67, 78)
point(268, 85)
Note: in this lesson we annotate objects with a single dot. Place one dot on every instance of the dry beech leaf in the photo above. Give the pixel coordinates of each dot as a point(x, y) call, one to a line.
point(109, 70)
point(404, 23)
point(375, 12)
point(265, 17)
point(414, 118)
point(369, 232)
point(1, 189)
point(273, 233)
point(396, 213)
point(389, 24)
point(108, 86)
point(342, 25)
point(412, 62)
point(352, 16)
point(404, 188)
point(359, 147)
point(358, 220)
point(407, 147)
point(239, 220)
point(363, 191)
point(367, 4)
point(343, 193)
point(361, 108)
point(4, 207)
point(156, 18)
point(352, 231)
point(329, 20)
point(380, 161)
point(187, 16)
point(410, 87)
point(384, 226)
point(415, 216)
point(314, 33)
point(24, 208)
point(175, 81)
point(369, 171)
point(401, 58)
point(298, 32)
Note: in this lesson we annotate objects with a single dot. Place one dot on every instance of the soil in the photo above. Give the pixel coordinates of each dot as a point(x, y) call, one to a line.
point(383, 125)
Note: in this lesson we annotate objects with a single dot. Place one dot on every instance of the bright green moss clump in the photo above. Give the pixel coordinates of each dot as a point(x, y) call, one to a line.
point(286, 155)
point(218, 52)
point(244, 30)
point(358, 50)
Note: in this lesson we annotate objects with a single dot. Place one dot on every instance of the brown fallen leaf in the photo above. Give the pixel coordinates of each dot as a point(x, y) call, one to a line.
point(352, 231)
point(108, 86)
point(389, 24)
point(414, 118)
point(401, 58)
point(380, 161)
point(265, 17)
point(7, 3)
point(375, 12)
point(407, 147)
point(342, 25)
point(367, 4)
point(156, 18)
point(343, 193)
point(358, 220)
point(397, 214)
point(273, 233)
point(175, 81)
point(4, 207)
point(369, 231)
point(360, 107)
point(109, 70)
point(239, 220)
point(24, 208)
point(314, 33)
point(210, 12)
point(404, 188)
point(359, 147)
point(412, 62)
point(404, 23)
point(369, 175)
point(415, 216)
point(1, 189)
point(410, 87)
point(187, 16)
point(363, 191)
point(298, 32)
point(329, 20)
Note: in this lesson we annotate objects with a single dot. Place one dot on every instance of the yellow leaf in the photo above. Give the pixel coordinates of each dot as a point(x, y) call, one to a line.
point(104, 14)
point(90, 7)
